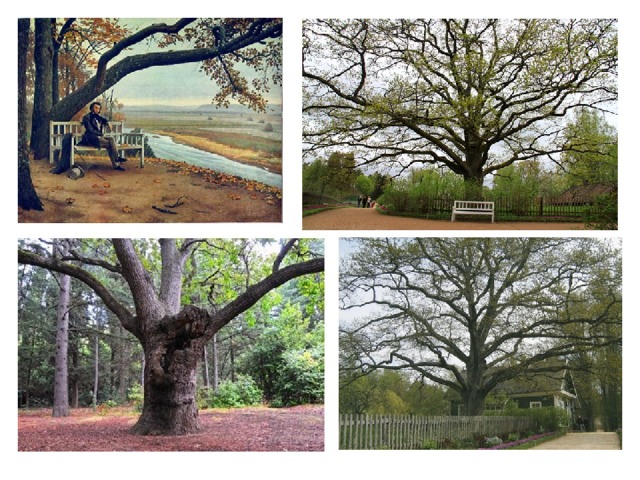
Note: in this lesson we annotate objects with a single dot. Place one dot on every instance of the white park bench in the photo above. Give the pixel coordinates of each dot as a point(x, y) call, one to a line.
point(126, 142)
point(467, 207)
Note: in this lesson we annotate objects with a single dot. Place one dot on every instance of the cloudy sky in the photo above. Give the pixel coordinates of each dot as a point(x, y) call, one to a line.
point(170, 85)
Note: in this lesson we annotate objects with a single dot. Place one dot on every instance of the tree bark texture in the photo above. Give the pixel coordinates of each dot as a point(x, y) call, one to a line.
point(171, 363)
point(61, 382)
point(96, 371)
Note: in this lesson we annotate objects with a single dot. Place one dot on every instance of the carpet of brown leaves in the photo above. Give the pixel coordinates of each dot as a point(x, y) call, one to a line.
point(257, 429)
point(162, 192)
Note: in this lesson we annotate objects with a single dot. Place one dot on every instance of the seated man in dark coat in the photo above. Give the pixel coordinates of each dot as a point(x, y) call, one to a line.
point(94, 124)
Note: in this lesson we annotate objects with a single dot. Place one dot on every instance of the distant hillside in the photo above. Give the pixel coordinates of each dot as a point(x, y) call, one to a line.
point(208, 109)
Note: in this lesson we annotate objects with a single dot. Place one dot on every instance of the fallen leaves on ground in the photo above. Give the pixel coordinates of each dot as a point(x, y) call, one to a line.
point(219, 178)
point(244, 429)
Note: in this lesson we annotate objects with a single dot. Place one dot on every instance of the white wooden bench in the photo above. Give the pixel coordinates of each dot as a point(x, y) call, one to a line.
point(468, 207)
point(126, 142)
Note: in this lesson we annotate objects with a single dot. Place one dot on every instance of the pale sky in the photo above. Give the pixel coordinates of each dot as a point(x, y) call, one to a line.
point(170, 85)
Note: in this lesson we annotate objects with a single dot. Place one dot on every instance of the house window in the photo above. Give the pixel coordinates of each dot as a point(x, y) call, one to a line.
point(535, 404)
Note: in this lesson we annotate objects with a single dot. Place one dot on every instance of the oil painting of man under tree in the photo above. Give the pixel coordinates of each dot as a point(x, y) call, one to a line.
point(193, 107)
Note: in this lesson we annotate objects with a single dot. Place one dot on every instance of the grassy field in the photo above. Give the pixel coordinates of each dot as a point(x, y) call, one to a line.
point(252, 138)
point(240, 130)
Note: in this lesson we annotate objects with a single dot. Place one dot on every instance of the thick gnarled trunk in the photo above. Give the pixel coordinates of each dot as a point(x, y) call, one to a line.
point(473, 173)
point(170, 397)
point(474, 392)
point(170, 389)
point(173, 349)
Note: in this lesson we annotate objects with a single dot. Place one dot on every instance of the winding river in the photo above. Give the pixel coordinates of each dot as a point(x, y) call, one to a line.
point(164, 147)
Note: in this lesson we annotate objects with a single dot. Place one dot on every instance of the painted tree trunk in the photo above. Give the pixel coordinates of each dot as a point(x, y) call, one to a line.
point(27, 196)
point(43, 100)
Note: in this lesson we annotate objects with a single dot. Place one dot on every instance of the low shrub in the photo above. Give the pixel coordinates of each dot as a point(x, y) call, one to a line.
point(105, 407)
point(528, 441)
point(603, 213)
point(242, 393)
point(301, 379)
point(135, 396)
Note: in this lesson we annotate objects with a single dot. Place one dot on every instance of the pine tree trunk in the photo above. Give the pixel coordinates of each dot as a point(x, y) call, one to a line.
point(96, 373)
point(216, 380)
point(74, 380)
point(61, 380)
point(205, 369)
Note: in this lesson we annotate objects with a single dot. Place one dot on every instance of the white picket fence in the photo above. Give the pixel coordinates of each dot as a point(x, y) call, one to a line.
point(407, 432)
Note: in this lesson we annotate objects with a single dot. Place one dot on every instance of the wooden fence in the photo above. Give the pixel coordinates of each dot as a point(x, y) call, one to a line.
point(504, 207)
point(408, 432)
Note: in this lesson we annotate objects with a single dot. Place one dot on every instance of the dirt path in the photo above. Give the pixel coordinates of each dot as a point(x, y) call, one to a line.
point(368, 219)
point(582, 441)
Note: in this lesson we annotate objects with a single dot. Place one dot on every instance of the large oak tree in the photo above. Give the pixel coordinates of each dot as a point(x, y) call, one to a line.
point(470, 314)
point(473, 96)
point(172, 332)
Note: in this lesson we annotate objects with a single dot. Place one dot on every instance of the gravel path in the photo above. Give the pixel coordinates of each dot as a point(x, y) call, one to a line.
point(369, 219)
point(582, 441)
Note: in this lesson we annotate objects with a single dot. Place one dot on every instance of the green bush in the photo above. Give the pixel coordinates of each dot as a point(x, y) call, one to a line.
point(603, 213)
point(513, 437)
point(105, 407)
point(546, 419)
point(430, 445)
point(415, 194)
point(301, 379)
point(242, 393)
point(135, 395)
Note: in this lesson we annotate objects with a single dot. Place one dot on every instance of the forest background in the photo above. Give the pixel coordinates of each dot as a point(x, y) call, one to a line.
point(319, 465)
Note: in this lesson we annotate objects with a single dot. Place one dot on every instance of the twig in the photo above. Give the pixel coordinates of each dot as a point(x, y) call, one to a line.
point(164, 210)
point(177, 204)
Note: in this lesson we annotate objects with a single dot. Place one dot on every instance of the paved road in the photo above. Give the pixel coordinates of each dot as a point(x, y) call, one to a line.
point(368, 219)
point(582, 441)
